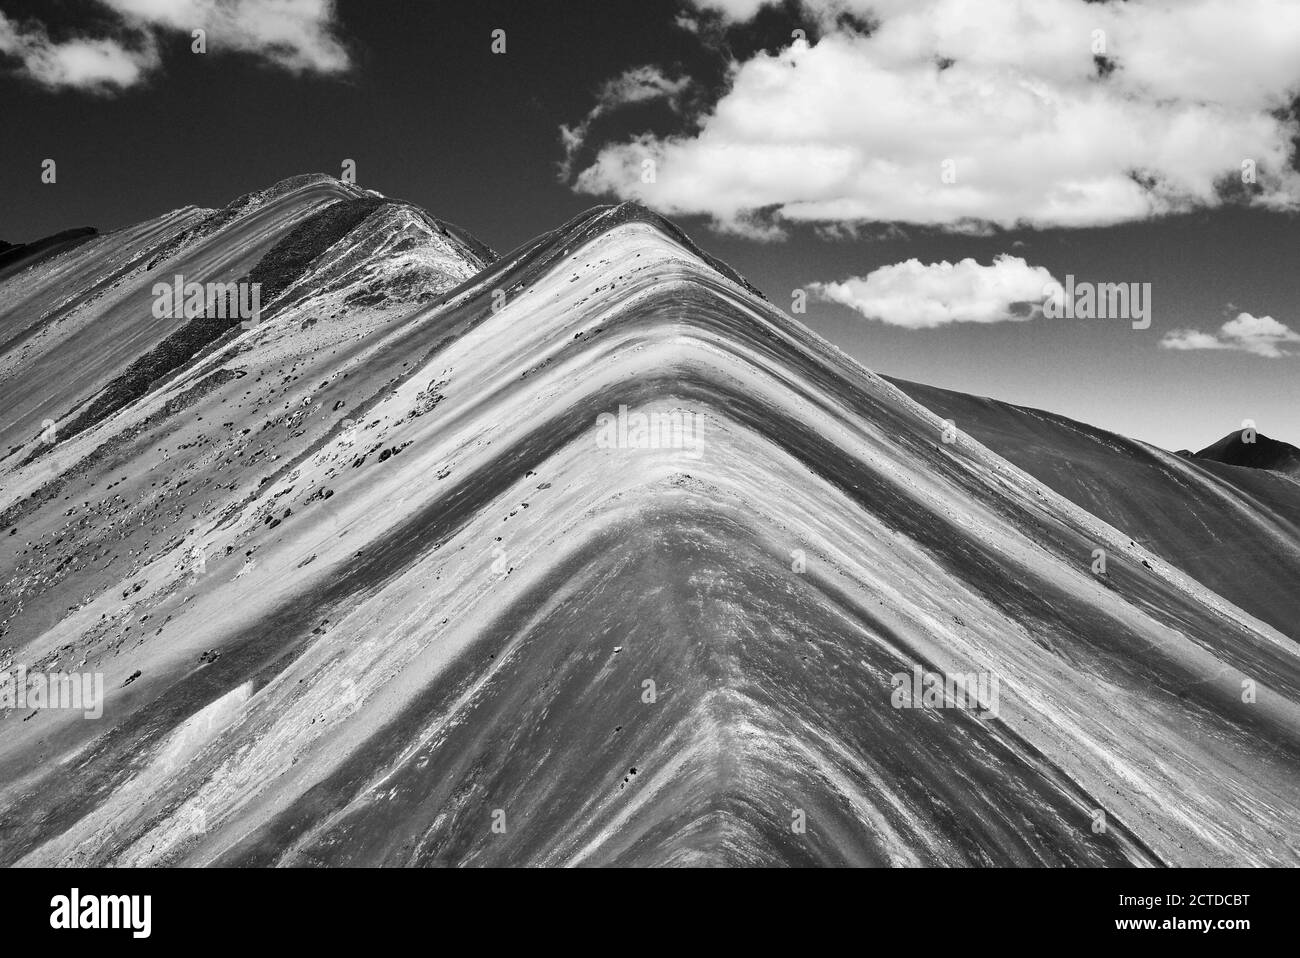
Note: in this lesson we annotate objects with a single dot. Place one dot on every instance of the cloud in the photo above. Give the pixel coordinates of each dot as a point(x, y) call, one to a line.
point(686, 22)
point(103, 65)
point(917, 295)
point(1259, 335)
point(644, 84)
point(734, 10)
point(950, 113)
point(294, 35)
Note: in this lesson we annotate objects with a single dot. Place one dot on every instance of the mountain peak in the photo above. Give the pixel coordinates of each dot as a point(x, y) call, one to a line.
point(605, 217)
point(1253, 450)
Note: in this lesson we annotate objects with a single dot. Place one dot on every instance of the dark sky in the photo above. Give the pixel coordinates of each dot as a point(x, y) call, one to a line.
point(432, 116)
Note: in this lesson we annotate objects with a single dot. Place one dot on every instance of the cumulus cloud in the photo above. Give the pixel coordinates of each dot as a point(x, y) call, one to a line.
point(951, 113)
point(295, 35)
point(920, 295)
point(1260, 335)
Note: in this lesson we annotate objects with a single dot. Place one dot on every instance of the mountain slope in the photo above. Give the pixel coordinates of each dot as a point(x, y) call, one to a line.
point(15, 257)
point(393, 600)
point(73, 323)
point(1235, 530)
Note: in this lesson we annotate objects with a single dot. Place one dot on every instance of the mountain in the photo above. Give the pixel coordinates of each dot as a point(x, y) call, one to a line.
point(1254, 451)
point(1233, 530)
point(70, 331)
point(18, 256)
point(586, 554)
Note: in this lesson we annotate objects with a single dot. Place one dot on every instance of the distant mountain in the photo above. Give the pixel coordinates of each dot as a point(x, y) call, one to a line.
point(588, 554)
point(1261, 453)
point(18, 256)
point(1242, 539)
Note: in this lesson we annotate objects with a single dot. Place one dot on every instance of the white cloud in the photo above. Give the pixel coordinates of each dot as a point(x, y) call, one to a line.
point(734, 9)
point(1260, 335)
point(857, 128)
point(642, 84)
point(295, 35)
point(923, 296)
point(99, 65)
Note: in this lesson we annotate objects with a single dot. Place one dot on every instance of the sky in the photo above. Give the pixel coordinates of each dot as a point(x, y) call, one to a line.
point(932, 185)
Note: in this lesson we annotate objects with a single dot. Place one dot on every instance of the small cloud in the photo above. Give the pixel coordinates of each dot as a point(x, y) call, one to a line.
point(638, 85)
point(97, 66)
point(643, 84)
point(917, 295)
point(1258, 335)
point(836, 232)
point(734, 10)
point(751, 227)
point(298, 37)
